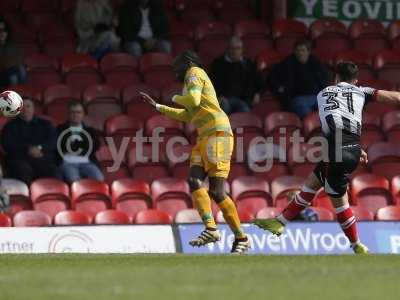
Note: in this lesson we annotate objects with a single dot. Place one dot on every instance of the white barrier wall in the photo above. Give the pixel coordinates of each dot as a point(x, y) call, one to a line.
point(88, 239)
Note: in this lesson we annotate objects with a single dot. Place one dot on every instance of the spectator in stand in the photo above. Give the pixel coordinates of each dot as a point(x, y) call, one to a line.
point(143, 26)
point(78, 145)
point(4, 197)
point(12, 69)
point(298, 79)
point(29, 143)
point(95, 26)
point(236, 79)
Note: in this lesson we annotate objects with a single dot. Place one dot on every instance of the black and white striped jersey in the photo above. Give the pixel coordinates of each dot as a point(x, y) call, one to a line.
point(340, 108)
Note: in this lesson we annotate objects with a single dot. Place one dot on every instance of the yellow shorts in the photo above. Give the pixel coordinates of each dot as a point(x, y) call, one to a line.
point(213, 153)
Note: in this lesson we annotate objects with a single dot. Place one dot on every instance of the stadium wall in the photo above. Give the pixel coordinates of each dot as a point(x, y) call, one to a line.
point(299, 239)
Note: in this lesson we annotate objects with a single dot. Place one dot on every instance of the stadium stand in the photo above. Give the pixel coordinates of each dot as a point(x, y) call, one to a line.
point(109, 90)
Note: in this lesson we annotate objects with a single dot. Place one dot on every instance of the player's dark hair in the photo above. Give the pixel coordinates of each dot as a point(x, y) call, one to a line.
point(347, 71)
point(190, 58)
point(184, 62)
point(303, 42)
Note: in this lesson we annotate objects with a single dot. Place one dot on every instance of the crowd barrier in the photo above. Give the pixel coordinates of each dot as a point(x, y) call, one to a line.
point(299, 238)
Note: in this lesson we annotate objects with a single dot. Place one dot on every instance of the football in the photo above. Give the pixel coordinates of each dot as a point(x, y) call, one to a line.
point(11, 103)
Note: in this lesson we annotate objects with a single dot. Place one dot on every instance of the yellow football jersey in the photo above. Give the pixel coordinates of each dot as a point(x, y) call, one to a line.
point(201, 106)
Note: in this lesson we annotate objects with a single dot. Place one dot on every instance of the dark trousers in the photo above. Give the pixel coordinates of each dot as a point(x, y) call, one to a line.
point(30, 169)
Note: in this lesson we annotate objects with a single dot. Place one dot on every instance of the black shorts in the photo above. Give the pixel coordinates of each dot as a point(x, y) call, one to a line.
point(334, 175)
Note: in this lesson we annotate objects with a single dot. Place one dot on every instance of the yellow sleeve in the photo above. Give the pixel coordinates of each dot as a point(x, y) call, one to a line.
point(179, 114)
point(194, 86)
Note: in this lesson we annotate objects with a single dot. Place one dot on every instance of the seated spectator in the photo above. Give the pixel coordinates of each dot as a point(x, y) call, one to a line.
point(236, 79)
point(298, 79)
point(29, 143)
point(143, 26)
point(78, 145)
point(4, 197)
point(94, 23)
point(12, 70)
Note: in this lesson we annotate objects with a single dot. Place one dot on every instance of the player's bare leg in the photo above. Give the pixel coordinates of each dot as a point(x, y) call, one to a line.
point(297, 203)
point(202, 202)
point(347, 221)
point(229, 211)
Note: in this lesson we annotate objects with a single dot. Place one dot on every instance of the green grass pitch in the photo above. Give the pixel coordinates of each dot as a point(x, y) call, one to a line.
point(114, 277)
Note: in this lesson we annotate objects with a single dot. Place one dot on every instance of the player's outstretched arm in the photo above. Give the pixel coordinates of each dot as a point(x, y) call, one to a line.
point(388, 96)
point(174, 113)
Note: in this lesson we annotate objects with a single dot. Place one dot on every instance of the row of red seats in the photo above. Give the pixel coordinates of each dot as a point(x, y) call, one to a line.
point(28, 218)
point(172, 194)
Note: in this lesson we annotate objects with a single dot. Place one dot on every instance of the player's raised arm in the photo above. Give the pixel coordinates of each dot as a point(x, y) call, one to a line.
point(388, 96)
point(174, 113)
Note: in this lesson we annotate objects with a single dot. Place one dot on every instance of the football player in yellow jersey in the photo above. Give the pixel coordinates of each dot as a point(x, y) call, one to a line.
point(212, 153)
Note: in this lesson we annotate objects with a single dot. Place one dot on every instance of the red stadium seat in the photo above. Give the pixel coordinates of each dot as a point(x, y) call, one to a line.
point(197, 16)
point(371, 121)
point(331, 46)
point(169, 91)
point(78, 61)
point(278, 120)
point(9, 5)
point(395, 188)
point(210, 50)
point(24, 35)
point(134, 104)
point(387, 64)
point(146, 166)
point(111, 175)
point(56, 99)
point(118, 61)
point(362, 214)
point(245, 216)
point(265, 108)
point(327, 27)
point(5, 220)
point(286, 33)
point(81, 80)
point(37, 5)
point(178, 160)
point(19, 195)
point(42, 20)
point(169, 125)
point(232, 15)
point(180, 31)
point(29, 91)
point(378, 84)
point(57, 33)
point(102, 102)
point(389, 213)
point(268, 58)
point(283, 185)
point(71, 217)
point(370, 137)
point(321, 199)
point(247, 121)
point(131, 196)
point(312, 125)
point(187, 216)
point(253, 47)
point(370, 191)
point(251, 29)
point(90, 196)
point(379, 108)
point(59, 49)
point(180, 45)
point(366, 28)
point(212, 30)
point(112, 217)
point(302, 159)
point(38, 62)
point(371, 45)
point(31, 218)
point(121, 79)
point(251, 193)
point(122, 126)
point(44, 78)
point(362, 58)
point(268, 212)
point(391, 122)
point(393, 30)
point(323, 213)
point(160, 78)
point(155, 61)
point(153, 216)
point(170, 195)
point(384, 159)
point(50, 196)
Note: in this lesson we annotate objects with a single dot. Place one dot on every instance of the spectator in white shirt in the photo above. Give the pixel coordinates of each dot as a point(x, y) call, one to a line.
point(143, 26)
point(76, 146)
